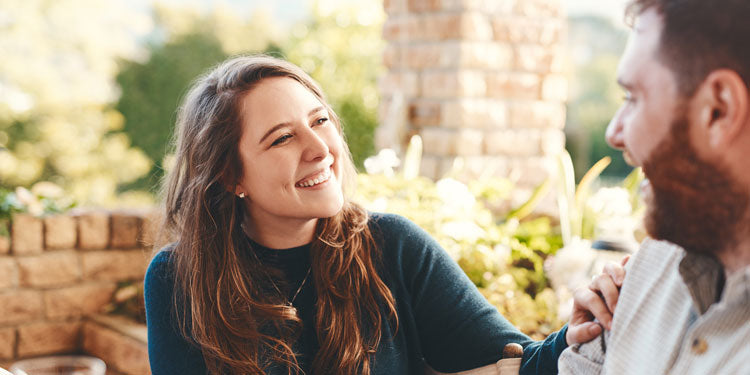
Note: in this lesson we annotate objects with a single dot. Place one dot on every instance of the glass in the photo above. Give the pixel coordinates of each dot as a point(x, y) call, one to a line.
point(60, 365)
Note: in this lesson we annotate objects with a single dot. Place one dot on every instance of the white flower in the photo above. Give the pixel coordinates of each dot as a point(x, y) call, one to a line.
point(503, 253)
point(613, 214)
point(570, 266)
point(380, 204)
point(30, 201)
point(47, 189)
point(609, 202)
point(382, 163)
point(462, 230)
point(456, 197)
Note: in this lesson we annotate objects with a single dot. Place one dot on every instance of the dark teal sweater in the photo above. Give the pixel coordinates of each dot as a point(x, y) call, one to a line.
point(443, 319)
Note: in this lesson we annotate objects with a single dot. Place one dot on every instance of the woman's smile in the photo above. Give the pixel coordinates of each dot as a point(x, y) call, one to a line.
point(316, 179)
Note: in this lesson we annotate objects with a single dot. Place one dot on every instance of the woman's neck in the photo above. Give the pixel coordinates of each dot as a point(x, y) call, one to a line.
point(275, 235)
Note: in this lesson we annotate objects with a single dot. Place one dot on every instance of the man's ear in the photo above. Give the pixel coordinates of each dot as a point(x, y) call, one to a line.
point(722, 108)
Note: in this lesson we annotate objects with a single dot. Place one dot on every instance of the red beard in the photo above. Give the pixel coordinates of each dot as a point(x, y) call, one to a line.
point(696, 204)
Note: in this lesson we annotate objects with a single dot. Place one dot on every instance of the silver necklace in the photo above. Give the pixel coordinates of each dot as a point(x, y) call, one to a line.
point(289, 304)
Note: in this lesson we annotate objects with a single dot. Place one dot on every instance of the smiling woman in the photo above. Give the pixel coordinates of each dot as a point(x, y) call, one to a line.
point(275, 271)
point(291, 156)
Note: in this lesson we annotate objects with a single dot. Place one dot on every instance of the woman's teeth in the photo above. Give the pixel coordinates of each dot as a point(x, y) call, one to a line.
point(319, 179)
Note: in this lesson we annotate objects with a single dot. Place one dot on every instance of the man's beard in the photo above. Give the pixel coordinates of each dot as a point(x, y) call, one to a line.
point(696, 204)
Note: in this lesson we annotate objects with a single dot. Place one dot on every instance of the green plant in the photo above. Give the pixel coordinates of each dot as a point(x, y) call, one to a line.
point(44, 198)
point(591, 214)
point(503, 254)
point(577, 220)
point(128, 301)
point(8, 205)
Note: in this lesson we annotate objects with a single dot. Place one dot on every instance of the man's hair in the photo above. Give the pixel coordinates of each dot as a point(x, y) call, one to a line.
point(700, 36)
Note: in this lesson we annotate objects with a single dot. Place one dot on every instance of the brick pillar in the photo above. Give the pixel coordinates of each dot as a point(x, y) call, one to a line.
point(480, 80)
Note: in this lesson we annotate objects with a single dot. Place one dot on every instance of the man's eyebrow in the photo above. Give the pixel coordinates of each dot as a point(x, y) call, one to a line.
point(283, 124)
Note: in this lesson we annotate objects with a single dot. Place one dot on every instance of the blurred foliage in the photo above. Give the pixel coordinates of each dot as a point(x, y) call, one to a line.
point(596, 45)
point(44, 198)
point(502, 255)
point(151, 92)
point(128, 300)
point(66, 62)
point(340, 47)
point(56, 89)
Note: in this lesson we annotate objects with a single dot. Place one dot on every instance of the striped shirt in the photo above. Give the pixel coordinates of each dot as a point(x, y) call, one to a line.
point(676, 314)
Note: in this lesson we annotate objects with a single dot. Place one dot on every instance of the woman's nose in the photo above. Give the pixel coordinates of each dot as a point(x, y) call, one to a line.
point(315, 146)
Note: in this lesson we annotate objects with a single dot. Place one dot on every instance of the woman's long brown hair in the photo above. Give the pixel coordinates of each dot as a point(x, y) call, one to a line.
point(218, 299)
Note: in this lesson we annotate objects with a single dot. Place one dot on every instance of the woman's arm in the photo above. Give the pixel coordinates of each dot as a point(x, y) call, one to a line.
point(458, 329)
point(169, 353)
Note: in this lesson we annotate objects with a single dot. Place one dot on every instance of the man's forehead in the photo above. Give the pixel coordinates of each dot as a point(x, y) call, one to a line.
point(641, 47)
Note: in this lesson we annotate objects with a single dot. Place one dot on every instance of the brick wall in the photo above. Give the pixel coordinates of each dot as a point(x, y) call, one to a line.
point(57, 271)
point(479, 80)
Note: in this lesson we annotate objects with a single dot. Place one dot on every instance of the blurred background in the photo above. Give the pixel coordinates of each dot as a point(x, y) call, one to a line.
point(89, 88)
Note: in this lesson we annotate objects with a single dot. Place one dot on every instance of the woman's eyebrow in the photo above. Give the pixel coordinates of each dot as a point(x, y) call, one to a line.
point(273, 129)
point(283, 124)
point(314, 110)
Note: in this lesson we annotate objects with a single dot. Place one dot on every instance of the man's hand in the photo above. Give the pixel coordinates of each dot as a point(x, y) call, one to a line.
point(599, 301)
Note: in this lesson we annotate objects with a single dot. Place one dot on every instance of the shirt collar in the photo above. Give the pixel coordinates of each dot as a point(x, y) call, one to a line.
point(737, 288)
point(704, 277)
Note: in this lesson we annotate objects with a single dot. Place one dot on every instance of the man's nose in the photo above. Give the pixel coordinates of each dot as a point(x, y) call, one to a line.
point(614, 135)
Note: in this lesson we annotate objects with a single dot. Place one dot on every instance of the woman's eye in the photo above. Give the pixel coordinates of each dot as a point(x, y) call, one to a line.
point(281, 140)
point(628, 97)
point(321, 121)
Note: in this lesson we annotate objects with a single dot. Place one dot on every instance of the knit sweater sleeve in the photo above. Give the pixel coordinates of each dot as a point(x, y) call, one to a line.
point(169, 352)
point(457, 328)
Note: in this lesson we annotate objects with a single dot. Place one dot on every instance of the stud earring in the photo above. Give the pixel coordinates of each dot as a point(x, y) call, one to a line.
point(242, 195)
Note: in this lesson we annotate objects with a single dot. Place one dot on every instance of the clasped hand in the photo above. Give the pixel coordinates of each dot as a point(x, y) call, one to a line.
point(597, 301)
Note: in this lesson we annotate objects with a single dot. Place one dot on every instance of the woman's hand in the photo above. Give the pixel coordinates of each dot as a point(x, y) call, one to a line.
point(597, 301)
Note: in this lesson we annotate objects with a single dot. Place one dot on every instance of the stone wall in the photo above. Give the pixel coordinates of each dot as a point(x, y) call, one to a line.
point(480, 80)
point(57, 271)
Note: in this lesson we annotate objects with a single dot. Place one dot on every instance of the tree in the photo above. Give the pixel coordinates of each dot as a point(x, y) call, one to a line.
point(340, 47)
point(56, 90)
point(151, 92)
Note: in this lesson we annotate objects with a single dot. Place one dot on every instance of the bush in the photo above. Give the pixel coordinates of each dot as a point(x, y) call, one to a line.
point(502, 255)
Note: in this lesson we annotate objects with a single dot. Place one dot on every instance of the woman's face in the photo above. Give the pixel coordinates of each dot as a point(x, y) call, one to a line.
point(292, 157)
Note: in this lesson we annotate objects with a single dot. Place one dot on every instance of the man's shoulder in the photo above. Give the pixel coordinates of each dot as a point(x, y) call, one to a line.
point(652, 271)
point(654, 257)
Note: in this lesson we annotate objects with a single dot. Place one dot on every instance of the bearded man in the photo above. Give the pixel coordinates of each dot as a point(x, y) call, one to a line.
point(686, 120)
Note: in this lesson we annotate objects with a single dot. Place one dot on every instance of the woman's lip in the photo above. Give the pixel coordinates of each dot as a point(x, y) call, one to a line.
point(325, 172)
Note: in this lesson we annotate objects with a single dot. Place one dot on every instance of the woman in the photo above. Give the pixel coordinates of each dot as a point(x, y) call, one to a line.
point(275, 271)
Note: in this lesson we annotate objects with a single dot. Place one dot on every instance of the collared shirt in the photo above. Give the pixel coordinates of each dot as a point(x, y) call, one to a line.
point(671, 318)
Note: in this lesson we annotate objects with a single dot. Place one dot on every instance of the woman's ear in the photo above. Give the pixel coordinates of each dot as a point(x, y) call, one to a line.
point(231, 185)
point(722, 103)
point(238, 190)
